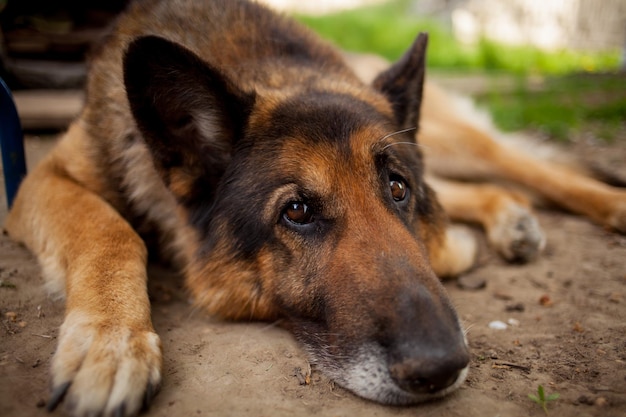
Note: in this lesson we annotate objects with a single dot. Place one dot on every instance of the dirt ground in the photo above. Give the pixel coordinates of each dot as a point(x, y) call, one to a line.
point(568, 333)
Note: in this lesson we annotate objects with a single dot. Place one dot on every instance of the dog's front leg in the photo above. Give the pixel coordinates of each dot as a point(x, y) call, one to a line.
point(108, 360)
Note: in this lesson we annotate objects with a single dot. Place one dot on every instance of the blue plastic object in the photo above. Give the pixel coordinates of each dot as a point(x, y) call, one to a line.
point(11, 144)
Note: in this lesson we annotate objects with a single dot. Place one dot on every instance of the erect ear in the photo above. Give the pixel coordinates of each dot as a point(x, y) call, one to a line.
point(403, 83)
point(189, 113)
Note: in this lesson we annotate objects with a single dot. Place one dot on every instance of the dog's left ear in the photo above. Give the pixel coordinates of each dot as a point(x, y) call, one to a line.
point(403, 83)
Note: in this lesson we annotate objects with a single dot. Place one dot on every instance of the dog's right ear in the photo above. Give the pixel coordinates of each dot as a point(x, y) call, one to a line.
point(189, 113)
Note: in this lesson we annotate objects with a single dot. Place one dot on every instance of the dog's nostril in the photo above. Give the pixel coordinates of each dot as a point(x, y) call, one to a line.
point(433, 384)
point(424, 377)
point(440, 382)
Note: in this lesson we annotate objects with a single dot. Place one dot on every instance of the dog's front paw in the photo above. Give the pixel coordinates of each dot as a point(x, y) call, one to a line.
point(104, 369)
point(516, 234)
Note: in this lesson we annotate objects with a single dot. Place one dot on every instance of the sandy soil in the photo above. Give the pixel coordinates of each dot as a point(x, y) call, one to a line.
point(568, 311)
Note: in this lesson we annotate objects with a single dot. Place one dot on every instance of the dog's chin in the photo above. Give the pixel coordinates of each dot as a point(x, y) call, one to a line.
point(366, 374)
point(384, 390)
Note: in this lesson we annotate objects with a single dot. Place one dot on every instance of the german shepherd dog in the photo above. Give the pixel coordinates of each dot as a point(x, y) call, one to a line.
point(234, 143)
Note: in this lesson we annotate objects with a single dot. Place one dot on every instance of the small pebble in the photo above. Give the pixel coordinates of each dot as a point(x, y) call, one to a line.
point(468, 282)
point(498, 325)
point(502, 295)
point(515, 307)
point(513, 322)
point(545, 300)
point(600, 402)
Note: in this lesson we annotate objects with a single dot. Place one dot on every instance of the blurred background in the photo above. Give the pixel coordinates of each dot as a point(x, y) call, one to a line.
point(556, 68)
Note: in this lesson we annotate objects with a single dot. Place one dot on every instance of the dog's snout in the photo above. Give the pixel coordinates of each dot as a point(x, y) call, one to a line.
point(429, 375)
point(427, 350)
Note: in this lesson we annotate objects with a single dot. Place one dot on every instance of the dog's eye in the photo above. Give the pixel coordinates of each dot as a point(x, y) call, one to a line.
point(298, 212)
point(398, 187)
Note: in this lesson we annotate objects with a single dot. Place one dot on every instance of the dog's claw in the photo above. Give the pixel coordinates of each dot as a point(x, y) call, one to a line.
point(151, 391)
point(119, 383)
point(120, 411)
point(57, 396)
point(59, 393)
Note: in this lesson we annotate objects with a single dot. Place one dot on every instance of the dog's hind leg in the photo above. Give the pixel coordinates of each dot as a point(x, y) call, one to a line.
point(108, 360)
point(602, 203)
point(506, 216)
point(456, 146)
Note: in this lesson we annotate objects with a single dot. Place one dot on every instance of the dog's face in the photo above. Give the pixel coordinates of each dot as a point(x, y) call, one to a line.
point(308, 205)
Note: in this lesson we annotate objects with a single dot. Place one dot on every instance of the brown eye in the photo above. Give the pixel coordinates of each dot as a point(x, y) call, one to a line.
point(298, 212)
point(398, 189)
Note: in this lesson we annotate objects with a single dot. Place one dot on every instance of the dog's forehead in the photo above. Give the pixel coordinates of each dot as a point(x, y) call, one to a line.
point(320, 133)
point(323, 116)
point(331, 165)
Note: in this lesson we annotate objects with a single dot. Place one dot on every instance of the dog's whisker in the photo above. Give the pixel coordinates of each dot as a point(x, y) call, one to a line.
point(398, 132)
point(467, 329)
point(273, 325)
point(419, 145)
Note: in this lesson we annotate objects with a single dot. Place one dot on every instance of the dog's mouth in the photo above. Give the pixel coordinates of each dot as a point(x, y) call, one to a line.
point(377, 373)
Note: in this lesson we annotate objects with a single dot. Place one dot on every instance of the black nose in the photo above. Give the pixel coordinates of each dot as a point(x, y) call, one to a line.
point(429, 375)
point(427, 351)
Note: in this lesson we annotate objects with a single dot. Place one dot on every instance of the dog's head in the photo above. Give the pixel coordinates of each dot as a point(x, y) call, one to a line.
point(309, 204)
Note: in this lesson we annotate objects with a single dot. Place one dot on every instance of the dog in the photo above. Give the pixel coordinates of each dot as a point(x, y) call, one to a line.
point(245, 150)
point(235, 144)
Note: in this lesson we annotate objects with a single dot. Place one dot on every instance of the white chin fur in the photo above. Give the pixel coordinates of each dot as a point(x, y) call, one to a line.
point(366, 375)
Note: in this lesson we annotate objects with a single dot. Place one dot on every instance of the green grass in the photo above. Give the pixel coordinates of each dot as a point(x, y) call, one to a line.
point(386, 30)
point(389, 29)
point(563, 106)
